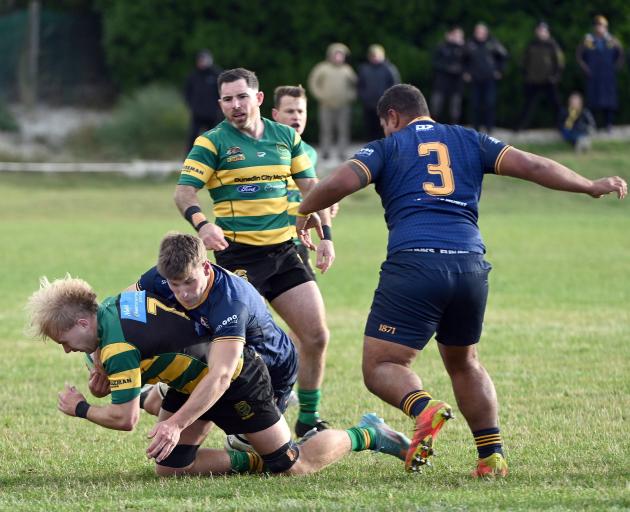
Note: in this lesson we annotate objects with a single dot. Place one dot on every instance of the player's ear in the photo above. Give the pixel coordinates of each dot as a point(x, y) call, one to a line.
point(260, 96)
point(206, 268)
point(274, 114)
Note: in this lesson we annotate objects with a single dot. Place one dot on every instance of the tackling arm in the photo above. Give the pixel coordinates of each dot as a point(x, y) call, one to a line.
point(551, 174)
point(211, 234)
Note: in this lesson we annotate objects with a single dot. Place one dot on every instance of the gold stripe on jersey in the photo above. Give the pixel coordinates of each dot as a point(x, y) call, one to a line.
point(206, 143)
point(145, 364)
point(197, 170)
point(129, 379)
point(291, 185)
point(239, 339)
point(247, 175)
point(300, 163)
point(189, 387)
point(115, 348)
point(364, 168)
point(293, 208)
point(497, 163)
point(251, 207)
point(296, 139)
point(175, 368)
point(268, 237)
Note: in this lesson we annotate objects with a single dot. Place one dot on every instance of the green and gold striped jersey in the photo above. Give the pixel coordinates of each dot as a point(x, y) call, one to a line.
point(144, 341)
point(293, 192)
point(247, 179)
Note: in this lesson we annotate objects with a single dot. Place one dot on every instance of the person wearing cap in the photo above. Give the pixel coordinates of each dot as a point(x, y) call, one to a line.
point(202, 96)
point(600, 55)
point(375, 76)
point(543, 62)
point(333, 84)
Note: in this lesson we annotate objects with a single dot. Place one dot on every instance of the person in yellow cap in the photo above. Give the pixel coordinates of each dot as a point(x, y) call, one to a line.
point(600, 56)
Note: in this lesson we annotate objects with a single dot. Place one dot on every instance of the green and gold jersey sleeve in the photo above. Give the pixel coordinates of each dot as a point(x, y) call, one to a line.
point(202, 161)
point(120, 358)
point(301, 165)
point(293, 192)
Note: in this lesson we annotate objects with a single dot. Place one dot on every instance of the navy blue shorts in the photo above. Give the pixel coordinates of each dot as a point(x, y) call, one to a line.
point(420, 294)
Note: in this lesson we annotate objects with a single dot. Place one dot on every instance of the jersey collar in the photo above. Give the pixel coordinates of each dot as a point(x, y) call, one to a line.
point(421, 118)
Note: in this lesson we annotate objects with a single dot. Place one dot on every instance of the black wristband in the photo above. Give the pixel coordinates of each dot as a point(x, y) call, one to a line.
point(200, 225)
point(81, 409)
point(327, 232)
point(190, 211)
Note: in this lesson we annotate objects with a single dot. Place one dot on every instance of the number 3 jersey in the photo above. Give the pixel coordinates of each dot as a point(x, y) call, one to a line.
point(429, 178)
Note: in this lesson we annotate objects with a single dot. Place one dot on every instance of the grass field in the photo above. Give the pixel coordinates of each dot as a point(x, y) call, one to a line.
point(556, 341)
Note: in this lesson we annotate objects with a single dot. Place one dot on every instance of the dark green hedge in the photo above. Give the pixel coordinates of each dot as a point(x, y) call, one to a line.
point(147, 40)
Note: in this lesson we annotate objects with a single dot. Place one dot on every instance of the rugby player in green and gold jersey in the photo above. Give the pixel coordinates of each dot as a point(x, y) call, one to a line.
point(245, 163)
point(216, 379)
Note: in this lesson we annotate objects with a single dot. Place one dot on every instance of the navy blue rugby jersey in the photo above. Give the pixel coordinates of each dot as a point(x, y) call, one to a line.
point(429, 178)
point(231, 307)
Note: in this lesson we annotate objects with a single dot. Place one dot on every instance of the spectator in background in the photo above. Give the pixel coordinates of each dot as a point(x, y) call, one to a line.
point(375, 77)
point(577, 124)
point(202, 96)
point(333, 84)
point(485, 60)
point(600, 55)
point(543, 63)
point(448, 69)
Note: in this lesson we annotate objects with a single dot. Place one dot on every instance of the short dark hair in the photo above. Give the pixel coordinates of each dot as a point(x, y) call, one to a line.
point(295, 91)
point(232, 75)
point(404, 99)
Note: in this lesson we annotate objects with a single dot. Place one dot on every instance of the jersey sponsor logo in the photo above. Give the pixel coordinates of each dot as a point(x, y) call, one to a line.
point(264, 177)
point(274, 186)
point(493, 140)
point(261, 154)
point(424, 127)
point(387, 328)
point(283, 151)
point(190, 168)
point(116, 383)
point(244, 410)
point(233, 150)
point(133, 306)
point(230, 320)
point(236, 158)
point(365, 152)
point(248, 189)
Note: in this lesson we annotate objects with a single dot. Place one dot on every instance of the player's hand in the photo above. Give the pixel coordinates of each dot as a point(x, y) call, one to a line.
point(604, 186)
point(334, 210)
point(303, 226)
point(98, 383)
point(325, 255)
point(68, 400)
point(213, 237)
point(165, 437)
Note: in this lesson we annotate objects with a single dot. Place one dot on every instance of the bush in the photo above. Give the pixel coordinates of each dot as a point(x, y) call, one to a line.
point(150, 123)
point(7, 121)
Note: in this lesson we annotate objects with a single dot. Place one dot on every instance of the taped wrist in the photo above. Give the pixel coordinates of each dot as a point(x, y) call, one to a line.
point(190, 211)
point(327, 230)
point(81, 409)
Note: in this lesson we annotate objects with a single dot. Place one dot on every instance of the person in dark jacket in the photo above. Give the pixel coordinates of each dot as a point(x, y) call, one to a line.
point(448, 70)
point(600, 55)
point(485, 60)
point(375, 77)
point(543, 63)
point(202, 96)
point(577, 124)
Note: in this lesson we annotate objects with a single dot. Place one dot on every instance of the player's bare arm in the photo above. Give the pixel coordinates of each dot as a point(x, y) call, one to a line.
point(115, 416)
point(223, 359)
point(211, 234)
point(553, 175)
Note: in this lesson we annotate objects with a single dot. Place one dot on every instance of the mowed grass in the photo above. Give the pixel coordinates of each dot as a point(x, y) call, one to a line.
point(556, 341)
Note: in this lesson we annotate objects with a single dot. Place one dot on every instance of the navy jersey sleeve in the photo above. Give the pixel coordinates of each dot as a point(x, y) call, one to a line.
point(151, 281)
point(371, 159)
point(229, 321)
point(492, 151)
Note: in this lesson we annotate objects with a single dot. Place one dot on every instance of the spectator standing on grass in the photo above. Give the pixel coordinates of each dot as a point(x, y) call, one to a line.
point(543, 63)
point(448, 83)
point(577, 124)
point(202, 96)
point(485, 60)
point(600, 56)
point(435, 278)
point(333, 84)
point(375, 76)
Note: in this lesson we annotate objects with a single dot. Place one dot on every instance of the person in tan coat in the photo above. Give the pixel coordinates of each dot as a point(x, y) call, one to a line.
point(333, 84)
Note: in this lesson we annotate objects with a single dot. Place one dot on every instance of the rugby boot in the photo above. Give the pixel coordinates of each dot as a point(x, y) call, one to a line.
point(491, 466)
point(387, 439)
point(428, 424)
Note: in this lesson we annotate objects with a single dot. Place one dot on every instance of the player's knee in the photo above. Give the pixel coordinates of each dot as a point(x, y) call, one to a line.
point(283, 459)
point(460, 361)
point(317, 339)
point(179, 460)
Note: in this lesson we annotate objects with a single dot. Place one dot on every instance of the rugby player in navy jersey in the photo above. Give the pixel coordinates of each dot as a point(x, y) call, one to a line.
point(435, 278)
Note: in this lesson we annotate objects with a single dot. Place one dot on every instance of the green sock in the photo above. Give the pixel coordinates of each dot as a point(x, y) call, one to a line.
point(245, 462)
point(361, 438)
point(309, 404)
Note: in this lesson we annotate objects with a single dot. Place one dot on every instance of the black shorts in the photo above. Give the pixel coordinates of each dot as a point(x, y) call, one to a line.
point(421, 294)
point(247, 406)
point(304, 254)
point(272, 269)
